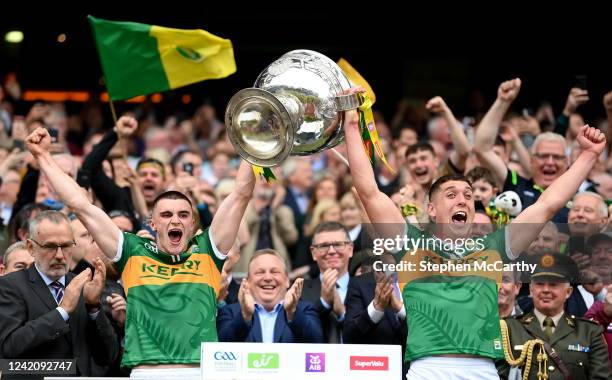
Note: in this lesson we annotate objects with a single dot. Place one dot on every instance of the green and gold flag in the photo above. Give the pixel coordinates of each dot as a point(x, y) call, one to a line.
point(139, 59)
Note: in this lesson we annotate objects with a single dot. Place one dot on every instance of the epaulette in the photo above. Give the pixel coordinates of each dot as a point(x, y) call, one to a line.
point(587, 320)
point(571, 320)
point(525, 318)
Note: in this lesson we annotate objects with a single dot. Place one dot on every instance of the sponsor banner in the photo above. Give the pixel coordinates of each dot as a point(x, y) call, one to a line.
point(270, 361)
point(369, 363)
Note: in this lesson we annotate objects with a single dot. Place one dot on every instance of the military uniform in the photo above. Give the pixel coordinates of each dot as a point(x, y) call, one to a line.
point(578, 342)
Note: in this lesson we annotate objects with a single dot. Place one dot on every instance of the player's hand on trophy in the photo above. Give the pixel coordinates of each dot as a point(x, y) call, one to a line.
point(351, 117)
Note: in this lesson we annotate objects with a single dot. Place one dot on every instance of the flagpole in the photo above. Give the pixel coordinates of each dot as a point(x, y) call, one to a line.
point(340, 156)
point(112, 108)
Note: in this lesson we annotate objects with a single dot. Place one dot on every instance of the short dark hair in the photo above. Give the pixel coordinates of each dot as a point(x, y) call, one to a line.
point(179, 156)
point(172, 194)
point(446, 178)
point(21, 220)
point(480, 173)
point(153, 161)
point(420, 146)
point(330, 227)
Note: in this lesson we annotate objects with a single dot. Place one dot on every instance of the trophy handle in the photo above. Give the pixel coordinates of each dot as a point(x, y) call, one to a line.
point(260, 126)
point(347, 102)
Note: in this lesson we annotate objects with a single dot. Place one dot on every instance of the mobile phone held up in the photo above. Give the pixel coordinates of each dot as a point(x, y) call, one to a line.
point(580, 81)
point(18, 144)
point(53, 132)
point(188, 167)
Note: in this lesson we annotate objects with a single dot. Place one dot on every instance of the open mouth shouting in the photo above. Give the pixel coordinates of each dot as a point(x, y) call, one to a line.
point(148, 190)
point(459, 217)
point(550, 172)
point(421, 174)
point(175, 235)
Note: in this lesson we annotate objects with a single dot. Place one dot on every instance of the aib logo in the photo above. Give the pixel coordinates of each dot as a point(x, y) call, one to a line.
point(263, 361)
point(219, 355)
point(315, 362)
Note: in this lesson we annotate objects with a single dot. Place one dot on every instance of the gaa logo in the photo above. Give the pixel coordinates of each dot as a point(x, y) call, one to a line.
point(151, 247)
point(219, 355)
point(226, 361)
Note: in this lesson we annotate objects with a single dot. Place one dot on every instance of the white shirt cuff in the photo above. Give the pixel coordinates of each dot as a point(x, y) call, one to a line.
point(508, 247)
point(63, 313)
point(375, 315)
point(325, 304)
point(119, 248)
point(219, 254)
point(401, 315)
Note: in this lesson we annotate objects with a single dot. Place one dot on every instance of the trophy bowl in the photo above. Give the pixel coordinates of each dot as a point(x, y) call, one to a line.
point(294, 108)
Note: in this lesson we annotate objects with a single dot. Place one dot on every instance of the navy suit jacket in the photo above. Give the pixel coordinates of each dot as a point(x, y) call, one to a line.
point(305, 327)
point(359, 328)
point(332, 327)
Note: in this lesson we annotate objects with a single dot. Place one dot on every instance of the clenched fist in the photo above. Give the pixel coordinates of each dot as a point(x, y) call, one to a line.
point(591, 140)
point(508, 90)
point(38, 142)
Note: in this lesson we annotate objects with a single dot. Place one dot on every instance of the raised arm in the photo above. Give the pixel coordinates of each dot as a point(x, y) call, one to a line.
point(575, 99)
point(460, 141)
point(102, 228)
point(510, 135)
point(379, 207)
point(487, 131)
point(489, 126)
point(226, 221)
point(528, 224)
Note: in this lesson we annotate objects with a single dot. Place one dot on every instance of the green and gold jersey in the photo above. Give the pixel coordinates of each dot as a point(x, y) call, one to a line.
point(171, 300)
point(452, 311)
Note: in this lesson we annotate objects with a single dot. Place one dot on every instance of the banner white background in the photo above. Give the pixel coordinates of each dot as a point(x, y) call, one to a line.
point(250, 361)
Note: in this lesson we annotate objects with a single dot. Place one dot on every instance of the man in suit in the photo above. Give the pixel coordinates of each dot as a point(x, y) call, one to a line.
point(266, 311)
point(298, 173)
point(375, 312)
point(574, 346)
point(331, 249)
point(47, 312)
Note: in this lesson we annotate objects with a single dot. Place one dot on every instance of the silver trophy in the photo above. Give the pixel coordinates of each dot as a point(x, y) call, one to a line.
point(294, 108)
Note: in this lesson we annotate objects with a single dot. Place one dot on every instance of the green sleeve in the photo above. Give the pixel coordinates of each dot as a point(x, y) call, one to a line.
point(496, 241)
point(129, 241)
point(205, 244)
point(413, 234)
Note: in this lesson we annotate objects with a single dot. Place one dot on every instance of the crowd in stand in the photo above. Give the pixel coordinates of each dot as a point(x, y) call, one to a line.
point(126, 247)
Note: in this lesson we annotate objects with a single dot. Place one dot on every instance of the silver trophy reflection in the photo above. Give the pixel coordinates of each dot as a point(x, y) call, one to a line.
point(294, 108)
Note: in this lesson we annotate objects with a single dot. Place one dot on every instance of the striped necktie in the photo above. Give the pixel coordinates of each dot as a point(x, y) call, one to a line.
point(58, 290)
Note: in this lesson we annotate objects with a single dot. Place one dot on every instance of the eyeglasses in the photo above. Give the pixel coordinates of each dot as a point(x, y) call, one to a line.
point(324, 247)
point(546, 156)
point(52, 248)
